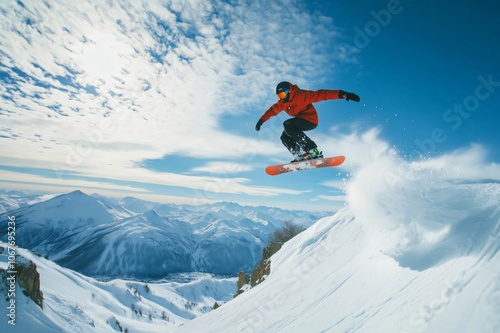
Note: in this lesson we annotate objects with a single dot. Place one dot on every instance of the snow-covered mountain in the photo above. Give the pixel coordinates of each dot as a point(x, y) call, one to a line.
point(108, 238)
point(11, 200)
point(76, 303)
point(416, 250)
point(144, 246)
point(137, 205)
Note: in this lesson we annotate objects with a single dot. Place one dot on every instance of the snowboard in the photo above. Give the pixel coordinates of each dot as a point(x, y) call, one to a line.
point(324, 162)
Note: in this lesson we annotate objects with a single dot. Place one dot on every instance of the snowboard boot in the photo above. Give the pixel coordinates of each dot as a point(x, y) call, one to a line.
point(310, 155)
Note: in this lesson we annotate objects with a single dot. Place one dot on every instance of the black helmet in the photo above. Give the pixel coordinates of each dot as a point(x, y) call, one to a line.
point(283, 91)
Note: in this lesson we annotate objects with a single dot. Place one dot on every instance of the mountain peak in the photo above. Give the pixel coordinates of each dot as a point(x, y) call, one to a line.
point(74, 206)
point(76, 193)
point(152, 215)
point(193, 236)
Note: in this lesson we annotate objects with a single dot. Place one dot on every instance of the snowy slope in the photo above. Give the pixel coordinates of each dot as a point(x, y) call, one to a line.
point(75, 303)
point(415, 250)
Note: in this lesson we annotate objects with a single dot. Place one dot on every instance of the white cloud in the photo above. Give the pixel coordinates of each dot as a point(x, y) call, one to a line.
point(336, 198)
point(93, 188)
point(98, 88)
point(227, 168)
point(336, 184)
point(202, 187)
point(18, 177)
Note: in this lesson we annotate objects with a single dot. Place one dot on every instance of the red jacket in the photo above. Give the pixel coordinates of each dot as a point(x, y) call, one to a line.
point(300, 104)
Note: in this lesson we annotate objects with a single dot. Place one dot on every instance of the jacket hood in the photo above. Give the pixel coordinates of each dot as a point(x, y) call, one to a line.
point(293, 90)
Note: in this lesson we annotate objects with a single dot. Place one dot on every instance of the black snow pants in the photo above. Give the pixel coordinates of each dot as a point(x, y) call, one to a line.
point(294, 138)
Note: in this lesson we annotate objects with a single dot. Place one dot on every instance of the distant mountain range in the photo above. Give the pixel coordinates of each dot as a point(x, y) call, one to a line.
point(131, 238)
point(11, 200)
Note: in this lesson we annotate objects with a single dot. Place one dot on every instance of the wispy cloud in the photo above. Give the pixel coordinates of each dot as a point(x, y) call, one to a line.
point(336, 198)
point(227, 168)
point(97, 88)
point(22, 177)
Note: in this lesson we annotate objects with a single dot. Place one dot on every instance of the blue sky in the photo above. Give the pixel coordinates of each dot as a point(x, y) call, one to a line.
point(159, 99)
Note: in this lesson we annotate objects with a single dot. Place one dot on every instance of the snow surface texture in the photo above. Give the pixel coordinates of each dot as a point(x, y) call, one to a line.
point(74, 303)
point(414, 250)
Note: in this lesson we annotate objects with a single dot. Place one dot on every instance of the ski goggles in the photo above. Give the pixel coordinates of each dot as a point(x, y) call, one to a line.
point(282, 94)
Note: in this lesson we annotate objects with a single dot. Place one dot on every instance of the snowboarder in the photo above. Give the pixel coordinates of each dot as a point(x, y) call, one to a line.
point(298, 104)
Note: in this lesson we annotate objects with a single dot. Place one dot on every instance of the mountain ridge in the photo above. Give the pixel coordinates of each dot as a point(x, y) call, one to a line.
point(107, 238)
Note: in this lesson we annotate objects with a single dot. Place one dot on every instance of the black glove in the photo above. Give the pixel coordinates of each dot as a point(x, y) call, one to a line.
point(349, 96)
point(258, 125)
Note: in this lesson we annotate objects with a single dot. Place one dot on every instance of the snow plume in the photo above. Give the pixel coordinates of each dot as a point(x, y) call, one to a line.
point(414, 249)
point(426, 211)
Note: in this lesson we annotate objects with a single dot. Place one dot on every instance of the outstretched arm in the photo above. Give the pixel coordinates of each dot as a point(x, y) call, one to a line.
point(310, 97)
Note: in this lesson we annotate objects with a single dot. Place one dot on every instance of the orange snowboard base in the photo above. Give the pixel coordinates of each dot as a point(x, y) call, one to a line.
point(324, 162)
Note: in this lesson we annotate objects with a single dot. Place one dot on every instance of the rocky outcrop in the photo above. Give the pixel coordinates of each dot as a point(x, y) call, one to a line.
point(243, 280)
point(26, 277)
point(29, 279)
point(259, 273)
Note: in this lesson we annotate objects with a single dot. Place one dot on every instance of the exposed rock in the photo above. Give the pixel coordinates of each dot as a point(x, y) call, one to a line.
point(29, 279)
point(243, 280)
point(260, 272)
point(26, 277)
